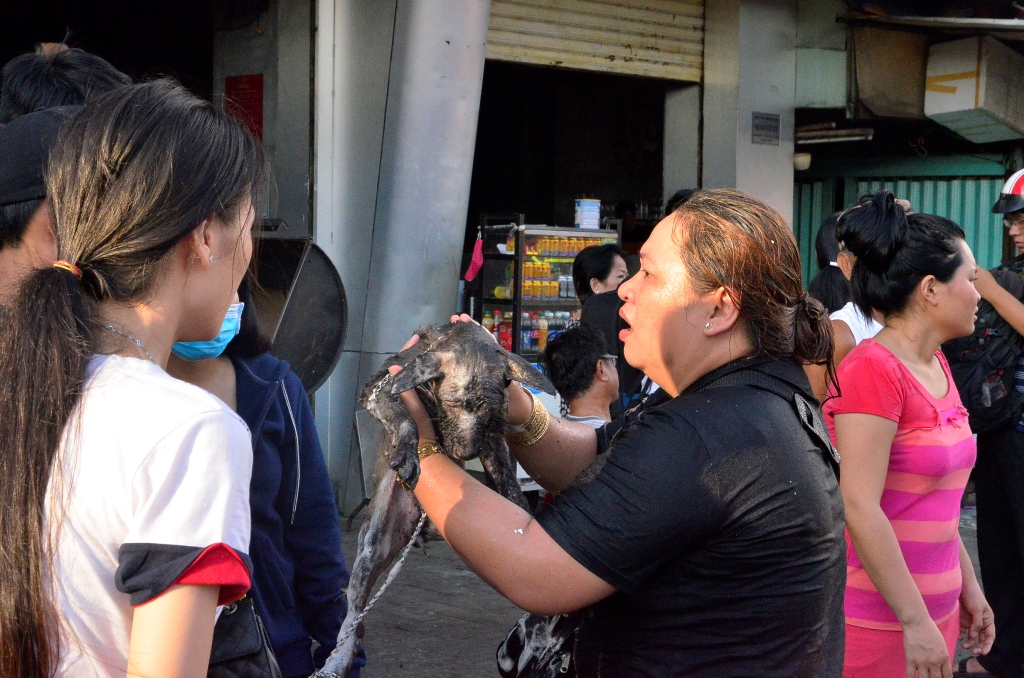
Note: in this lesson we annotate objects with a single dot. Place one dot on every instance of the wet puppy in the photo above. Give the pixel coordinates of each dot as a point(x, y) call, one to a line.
point(460, 373)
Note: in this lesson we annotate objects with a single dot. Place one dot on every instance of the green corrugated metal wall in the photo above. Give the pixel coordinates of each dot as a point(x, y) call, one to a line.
point(966, 200)
point(813, 202)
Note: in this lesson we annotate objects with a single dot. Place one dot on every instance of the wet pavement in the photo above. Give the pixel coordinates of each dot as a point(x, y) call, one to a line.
point(439, 619)
point(436, 619)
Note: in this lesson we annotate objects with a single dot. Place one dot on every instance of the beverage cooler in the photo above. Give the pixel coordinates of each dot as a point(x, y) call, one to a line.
point(526, 295)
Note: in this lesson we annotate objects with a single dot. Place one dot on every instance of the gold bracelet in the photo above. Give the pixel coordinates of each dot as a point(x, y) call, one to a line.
point(423, 450)
point(427, 448)
point(534, 428)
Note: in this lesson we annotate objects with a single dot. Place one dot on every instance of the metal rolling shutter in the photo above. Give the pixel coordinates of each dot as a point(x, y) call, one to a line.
point(655, 38)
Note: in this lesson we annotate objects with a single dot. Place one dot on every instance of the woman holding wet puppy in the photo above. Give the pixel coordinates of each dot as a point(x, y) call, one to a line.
point(705, 538)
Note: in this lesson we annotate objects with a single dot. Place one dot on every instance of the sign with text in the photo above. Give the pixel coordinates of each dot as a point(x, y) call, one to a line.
point(766, 129)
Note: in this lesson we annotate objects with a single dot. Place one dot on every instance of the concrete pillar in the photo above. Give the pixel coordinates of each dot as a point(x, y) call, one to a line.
point(397, 98)
point(750, 67)
point(681, 163)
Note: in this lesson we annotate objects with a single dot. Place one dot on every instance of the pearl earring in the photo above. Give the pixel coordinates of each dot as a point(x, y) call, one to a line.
point(211, 258)
point(708, 326)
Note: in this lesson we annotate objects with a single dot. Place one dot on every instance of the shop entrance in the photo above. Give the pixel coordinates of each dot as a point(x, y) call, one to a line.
point(548, 136)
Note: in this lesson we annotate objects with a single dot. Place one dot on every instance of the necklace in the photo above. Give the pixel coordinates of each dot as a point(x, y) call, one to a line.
point(111, 328)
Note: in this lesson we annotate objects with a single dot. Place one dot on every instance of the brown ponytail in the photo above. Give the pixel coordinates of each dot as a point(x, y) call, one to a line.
point(729, 239)
point(51, 319)
point(132, 174)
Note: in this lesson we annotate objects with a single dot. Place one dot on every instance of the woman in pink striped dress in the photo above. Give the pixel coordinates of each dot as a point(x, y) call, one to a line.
point(907, 449)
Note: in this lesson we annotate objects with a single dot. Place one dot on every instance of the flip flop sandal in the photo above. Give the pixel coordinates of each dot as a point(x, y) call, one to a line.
point(961, 669)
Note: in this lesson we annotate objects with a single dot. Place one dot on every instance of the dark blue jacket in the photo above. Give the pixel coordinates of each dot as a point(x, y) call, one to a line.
point(299, 573)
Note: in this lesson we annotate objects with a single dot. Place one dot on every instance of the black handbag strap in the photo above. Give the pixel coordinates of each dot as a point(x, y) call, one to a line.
point(807, 412)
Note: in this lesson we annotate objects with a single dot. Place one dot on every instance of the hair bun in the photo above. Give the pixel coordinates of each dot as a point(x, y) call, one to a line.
point(874, 230)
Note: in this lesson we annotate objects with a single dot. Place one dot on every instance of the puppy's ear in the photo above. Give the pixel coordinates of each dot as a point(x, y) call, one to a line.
point(421, 370)
point(518, 369)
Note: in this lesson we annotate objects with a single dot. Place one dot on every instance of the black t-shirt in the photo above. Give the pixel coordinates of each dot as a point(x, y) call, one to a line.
point(720, 522)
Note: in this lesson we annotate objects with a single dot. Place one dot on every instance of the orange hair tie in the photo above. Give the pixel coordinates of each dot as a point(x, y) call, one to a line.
point(66, 265)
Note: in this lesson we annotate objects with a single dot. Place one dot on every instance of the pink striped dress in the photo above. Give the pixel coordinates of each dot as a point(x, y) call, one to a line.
point(929, 463)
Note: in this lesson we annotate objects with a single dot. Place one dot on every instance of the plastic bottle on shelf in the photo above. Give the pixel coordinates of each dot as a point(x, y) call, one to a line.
point(525, 337)
point(542, 331)
point(534, 333)
point(496, 324)
point(505, 331)
point(488, 323)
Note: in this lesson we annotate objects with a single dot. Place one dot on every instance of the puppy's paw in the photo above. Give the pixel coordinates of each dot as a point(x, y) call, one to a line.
point(407, 466)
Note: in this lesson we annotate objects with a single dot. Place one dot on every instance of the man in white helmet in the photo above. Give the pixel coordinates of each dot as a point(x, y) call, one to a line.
point(999, 476)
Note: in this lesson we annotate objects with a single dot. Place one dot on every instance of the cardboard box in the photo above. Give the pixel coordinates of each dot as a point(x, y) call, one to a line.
point(975, 87)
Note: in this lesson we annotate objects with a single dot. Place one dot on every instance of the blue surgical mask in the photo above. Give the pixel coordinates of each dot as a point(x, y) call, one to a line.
point(194, 351)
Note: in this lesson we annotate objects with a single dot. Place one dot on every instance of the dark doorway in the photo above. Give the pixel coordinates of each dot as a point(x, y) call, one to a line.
point(547, 136)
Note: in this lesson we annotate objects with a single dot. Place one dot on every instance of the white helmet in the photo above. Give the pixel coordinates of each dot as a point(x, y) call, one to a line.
point(1011, 198)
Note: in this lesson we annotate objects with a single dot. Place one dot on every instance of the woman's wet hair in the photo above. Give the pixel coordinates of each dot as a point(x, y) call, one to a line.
point(595, 261)
point(132, 174)
point(829, 286)
point(895, 251)
point(571, 360)
point(731, 240)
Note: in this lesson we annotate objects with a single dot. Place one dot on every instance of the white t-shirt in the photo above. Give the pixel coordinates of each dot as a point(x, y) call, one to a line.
point(156, 474)
point(861, 326)
point(592, 422)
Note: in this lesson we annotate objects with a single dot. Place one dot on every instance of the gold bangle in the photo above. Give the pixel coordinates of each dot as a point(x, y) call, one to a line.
point(427, 448)
point(534, 428)
point(423, 450)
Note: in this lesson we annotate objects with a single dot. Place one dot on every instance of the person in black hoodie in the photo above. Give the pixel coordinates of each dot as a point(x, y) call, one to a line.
point(299, 572)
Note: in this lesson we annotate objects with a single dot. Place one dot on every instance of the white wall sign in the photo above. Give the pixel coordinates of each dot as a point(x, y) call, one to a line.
point(766, 129)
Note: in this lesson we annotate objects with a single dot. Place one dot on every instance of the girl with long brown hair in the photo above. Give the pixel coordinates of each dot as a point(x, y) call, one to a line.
point(124, 492)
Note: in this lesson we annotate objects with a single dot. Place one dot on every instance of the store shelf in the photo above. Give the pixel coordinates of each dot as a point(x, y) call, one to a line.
point(561, 303)
point(514, 272)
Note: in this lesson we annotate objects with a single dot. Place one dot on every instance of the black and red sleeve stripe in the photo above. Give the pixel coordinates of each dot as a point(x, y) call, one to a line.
point(145, 571)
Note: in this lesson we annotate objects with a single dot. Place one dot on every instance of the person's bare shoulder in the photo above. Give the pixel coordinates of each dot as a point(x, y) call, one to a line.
point(844, 341)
